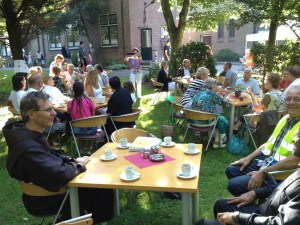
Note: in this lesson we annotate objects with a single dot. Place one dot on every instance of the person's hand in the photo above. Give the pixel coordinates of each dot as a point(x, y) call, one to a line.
point(225, 218)
point(256, 180)
point(248, 90)
point(244, 199)
point(84, 160)
point(244, 162)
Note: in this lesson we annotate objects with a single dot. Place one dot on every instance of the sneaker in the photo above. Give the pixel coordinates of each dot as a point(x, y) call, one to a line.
point(217, 145)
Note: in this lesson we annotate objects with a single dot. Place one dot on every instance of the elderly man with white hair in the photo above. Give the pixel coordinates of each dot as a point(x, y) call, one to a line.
point(248, 81)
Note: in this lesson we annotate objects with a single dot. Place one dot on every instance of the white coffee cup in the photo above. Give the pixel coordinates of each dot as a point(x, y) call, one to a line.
point(108, 153)
point(192, 147)
point(168, 140)
point(123, 142)
point(129, 172)
point(186, 169)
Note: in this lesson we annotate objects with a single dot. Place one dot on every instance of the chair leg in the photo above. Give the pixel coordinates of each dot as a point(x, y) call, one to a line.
point(185, 135)
point(61, 207)
point(156, 97)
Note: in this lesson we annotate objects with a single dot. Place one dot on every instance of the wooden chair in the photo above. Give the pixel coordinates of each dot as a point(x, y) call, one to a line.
point(126, 118)
point(93, 121)
point(159, 87)
point(130, 133)
point(220, 79)
point(81, 220)
point(37, 191)
point(198, 115)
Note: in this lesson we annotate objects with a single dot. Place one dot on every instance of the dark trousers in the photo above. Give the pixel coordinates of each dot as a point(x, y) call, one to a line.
point(238, 180)
point(222, 206)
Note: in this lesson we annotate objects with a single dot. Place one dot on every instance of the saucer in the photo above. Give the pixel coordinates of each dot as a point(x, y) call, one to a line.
point(135, 177)
point(192, 175)
point(99, 102)
point(122, 147)
point(170, 145)
point(102, 157)
point(186, 151)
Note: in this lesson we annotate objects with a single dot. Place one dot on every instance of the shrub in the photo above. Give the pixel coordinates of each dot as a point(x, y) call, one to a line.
point(118, 66)
point(199, 55)
point(153, 72)
point(227, 55)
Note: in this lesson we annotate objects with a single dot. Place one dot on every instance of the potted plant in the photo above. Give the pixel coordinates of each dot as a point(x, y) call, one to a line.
point(237, 90)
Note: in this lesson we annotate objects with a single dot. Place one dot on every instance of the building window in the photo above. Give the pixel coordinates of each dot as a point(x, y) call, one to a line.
point(164, 32)
point(231, 29)
point(220, 31)
point(73, 38)
point(109, 30)
point(54, 41)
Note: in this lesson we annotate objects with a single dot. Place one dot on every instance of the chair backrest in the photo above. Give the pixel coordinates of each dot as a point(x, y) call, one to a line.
point(198, 115)
point(156, 84)
point(176, 106)
point(92, 121)
point(81, 220)
point(37, 191)
point(130, 133)
point(220, 79)
point(130, 117)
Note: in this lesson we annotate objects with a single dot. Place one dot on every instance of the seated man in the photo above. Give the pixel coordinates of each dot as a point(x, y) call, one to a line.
point(35, 83)
point(119, 103)
point(250, 172)
point(185, 70)
point(231, 76)
point(55, 94)
point(282, 206)
point(30, 159)
point(248, 81)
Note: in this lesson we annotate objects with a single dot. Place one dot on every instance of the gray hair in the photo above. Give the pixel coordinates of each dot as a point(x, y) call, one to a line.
point(295, 84)
point(248, 69)
point(31, 102)
point(209, 83)
point(70, 65)
point(200, 71)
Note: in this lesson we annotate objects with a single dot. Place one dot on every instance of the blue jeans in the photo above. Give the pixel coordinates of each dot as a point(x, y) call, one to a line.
point(238, 180)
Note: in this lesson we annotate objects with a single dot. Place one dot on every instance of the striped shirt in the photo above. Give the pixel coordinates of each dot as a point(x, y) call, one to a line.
point(191, 91)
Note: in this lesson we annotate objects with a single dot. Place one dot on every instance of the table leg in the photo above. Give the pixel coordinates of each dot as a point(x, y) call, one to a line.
point(195, 207)
point(74, 202)
point(117, 203)
point(186, 208)
point(231, 122)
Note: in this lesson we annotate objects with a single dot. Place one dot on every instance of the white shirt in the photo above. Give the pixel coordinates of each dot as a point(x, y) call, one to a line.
point(28, 91)
point(15, 98)
point(186, 72)
point(53, 64)
point(55, 94)
point(100, 82)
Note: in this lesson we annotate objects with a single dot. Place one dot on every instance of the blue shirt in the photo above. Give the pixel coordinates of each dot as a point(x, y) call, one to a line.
point(231, 75)
point(252, 83)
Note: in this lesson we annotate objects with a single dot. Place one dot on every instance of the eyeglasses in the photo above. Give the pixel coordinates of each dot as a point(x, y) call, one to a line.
point(289, 99)
point(49, 110)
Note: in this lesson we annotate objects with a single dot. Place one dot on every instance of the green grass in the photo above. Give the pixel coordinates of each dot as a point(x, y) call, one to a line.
point(137, 207)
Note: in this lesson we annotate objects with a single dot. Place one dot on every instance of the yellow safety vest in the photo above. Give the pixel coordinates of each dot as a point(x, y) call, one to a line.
point(287, 144)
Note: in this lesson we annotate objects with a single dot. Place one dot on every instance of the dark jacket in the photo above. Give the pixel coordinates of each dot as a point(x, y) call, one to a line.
point(281, 208)
point(180, 72)
point(162, 77)
point(119, 103)
point(65, 51)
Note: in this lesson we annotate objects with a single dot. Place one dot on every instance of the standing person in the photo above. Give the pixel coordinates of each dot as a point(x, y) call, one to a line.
point(40, 165)
point(29, 59)
point(167, 51)
point(24, 55)
point(82, 65)
point(65, 51)
point(43, 59)
point(231, 76)
point(130, 87)
point(58, 59)
point(135, 77)
point(90, 58)
point(39, 58)
point(80, 51)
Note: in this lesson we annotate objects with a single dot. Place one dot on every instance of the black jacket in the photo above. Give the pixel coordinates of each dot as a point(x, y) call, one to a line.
point(162, 77)
point(66, 54)
point(180, 72)
point(281, 208)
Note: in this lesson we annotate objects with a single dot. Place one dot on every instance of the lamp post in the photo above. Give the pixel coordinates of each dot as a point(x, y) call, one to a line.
point(145, 6)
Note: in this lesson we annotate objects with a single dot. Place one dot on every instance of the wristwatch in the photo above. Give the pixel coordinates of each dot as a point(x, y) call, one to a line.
point(235, 217)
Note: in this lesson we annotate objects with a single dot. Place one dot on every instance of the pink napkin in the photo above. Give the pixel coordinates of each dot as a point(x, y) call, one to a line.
point(143, 163)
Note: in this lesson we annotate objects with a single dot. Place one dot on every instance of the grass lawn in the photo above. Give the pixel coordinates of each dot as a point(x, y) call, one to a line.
point(147, 208)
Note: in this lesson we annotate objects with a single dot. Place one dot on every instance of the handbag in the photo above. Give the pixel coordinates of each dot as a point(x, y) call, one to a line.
point(237, 145)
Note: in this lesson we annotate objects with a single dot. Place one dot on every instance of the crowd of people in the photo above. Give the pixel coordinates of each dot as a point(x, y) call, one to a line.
point(248, 178)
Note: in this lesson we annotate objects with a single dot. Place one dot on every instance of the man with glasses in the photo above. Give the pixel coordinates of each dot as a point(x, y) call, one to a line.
point(30, 159)
point(251, 172)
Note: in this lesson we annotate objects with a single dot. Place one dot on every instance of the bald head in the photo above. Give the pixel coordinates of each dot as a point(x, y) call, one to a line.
point(35, 82)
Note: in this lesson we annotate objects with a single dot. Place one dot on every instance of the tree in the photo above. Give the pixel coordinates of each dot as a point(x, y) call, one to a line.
point(24, 19)
point(201, 14)
point(275, 12)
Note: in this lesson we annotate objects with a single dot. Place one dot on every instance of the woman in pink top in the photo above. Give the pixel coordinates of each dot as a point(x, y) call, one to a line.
point(80, 107)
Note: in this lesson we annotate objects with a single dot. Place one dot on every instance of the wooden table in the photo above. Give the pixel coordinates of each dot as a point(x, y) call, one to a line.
point(161, 177)
point(234, 102)
point(182, 81)
point(64, 109)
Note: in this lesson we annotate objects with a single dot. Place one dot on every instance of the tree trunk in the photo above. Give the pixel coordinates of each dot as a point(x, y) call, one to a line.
point(272, 32)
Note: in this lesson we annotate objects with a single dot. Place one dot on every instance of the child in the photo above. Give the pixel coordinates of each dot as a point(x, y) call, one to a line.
point(130, 87)
point(59, 82)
